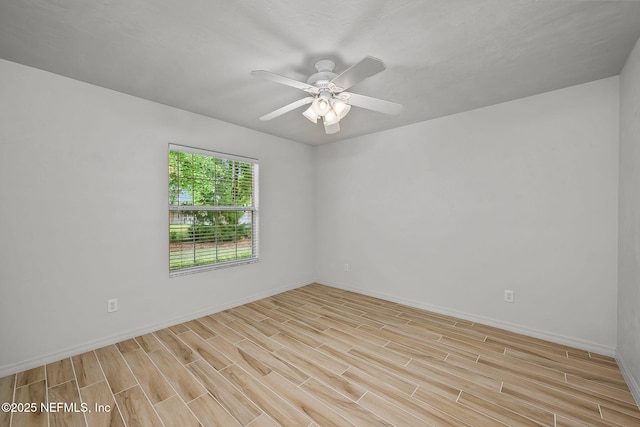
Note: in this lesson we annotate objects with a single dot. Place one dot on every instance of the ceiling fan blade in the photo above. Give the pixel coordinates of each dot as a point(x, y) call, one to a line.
point(287, 108)
point(358, 72)
point(374, 104)
point(268, 75)
point(334, 128)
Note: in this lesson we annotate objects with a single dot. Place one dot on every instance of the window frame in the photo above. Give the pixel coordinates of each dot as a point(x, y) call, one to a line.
point(253, 208)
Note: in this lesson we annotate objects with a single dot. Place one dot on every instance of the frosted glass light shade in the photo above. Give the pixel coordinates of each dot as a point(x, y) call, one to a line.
point(341, 108)
point(331, 118)
point(331, 129)
point(310, 114)
point(320, 106)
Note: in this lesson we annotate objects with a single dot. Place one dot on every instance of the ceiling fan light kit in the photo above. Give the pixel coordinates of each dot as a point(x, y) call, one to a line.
point(328, 98)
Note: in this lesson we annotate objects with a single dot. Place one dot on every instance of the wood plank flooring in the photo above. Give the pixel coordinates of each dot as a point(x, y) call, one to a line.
point(320, 356)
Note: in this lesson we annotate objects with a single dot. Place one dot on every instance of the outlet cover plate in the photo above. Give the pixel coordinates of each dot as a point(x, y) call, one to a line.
point(508, 295)
point(112, 305)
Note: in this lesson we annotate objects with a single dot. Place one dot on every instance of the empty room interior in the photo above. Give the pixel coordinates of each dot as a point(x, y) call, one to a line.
point(262, 213)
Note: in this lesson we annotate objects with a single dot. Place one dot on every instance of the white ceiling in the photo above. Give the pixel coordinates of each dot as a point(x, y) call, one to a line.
point(442, 56)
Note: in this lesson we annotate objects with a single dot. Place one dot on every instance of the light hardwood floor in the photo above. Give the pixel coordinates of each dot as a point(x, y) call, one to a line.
point(322, 356)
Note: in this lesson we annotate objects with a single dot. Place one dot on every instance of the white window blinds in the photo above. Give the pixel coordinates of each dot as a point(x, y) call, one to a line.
point(213, 210)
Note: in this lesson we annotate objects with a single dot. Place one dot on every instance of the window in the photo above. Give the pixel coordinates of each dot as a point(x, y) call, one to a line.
point(213, 210)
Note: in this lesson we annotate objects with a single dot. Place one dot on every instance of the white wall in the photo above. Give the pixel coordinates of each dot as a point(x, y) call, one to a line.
point(628, 351)
point(83, 196)
point(448, 213)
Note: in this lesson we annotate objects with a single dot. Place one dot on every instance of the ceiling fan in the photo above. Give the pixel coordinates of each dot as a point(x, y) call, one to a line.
point(327, 95)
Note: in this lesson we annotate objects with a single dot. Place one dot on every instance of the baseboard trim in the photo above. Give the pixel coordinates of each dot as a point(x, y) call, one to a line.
point(14, 368)
point(544, 335)
point(633, 385)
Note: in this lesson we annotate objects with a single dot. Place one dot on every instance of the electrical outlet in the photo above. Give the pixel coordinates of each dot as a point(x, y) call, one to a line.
point(112, 305)
point(508, 295)
point(346, 267)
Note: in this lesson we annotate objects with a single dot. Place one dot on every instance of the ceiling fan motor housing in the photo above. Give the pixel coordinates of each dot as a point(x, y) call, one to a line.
point(325, 73)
